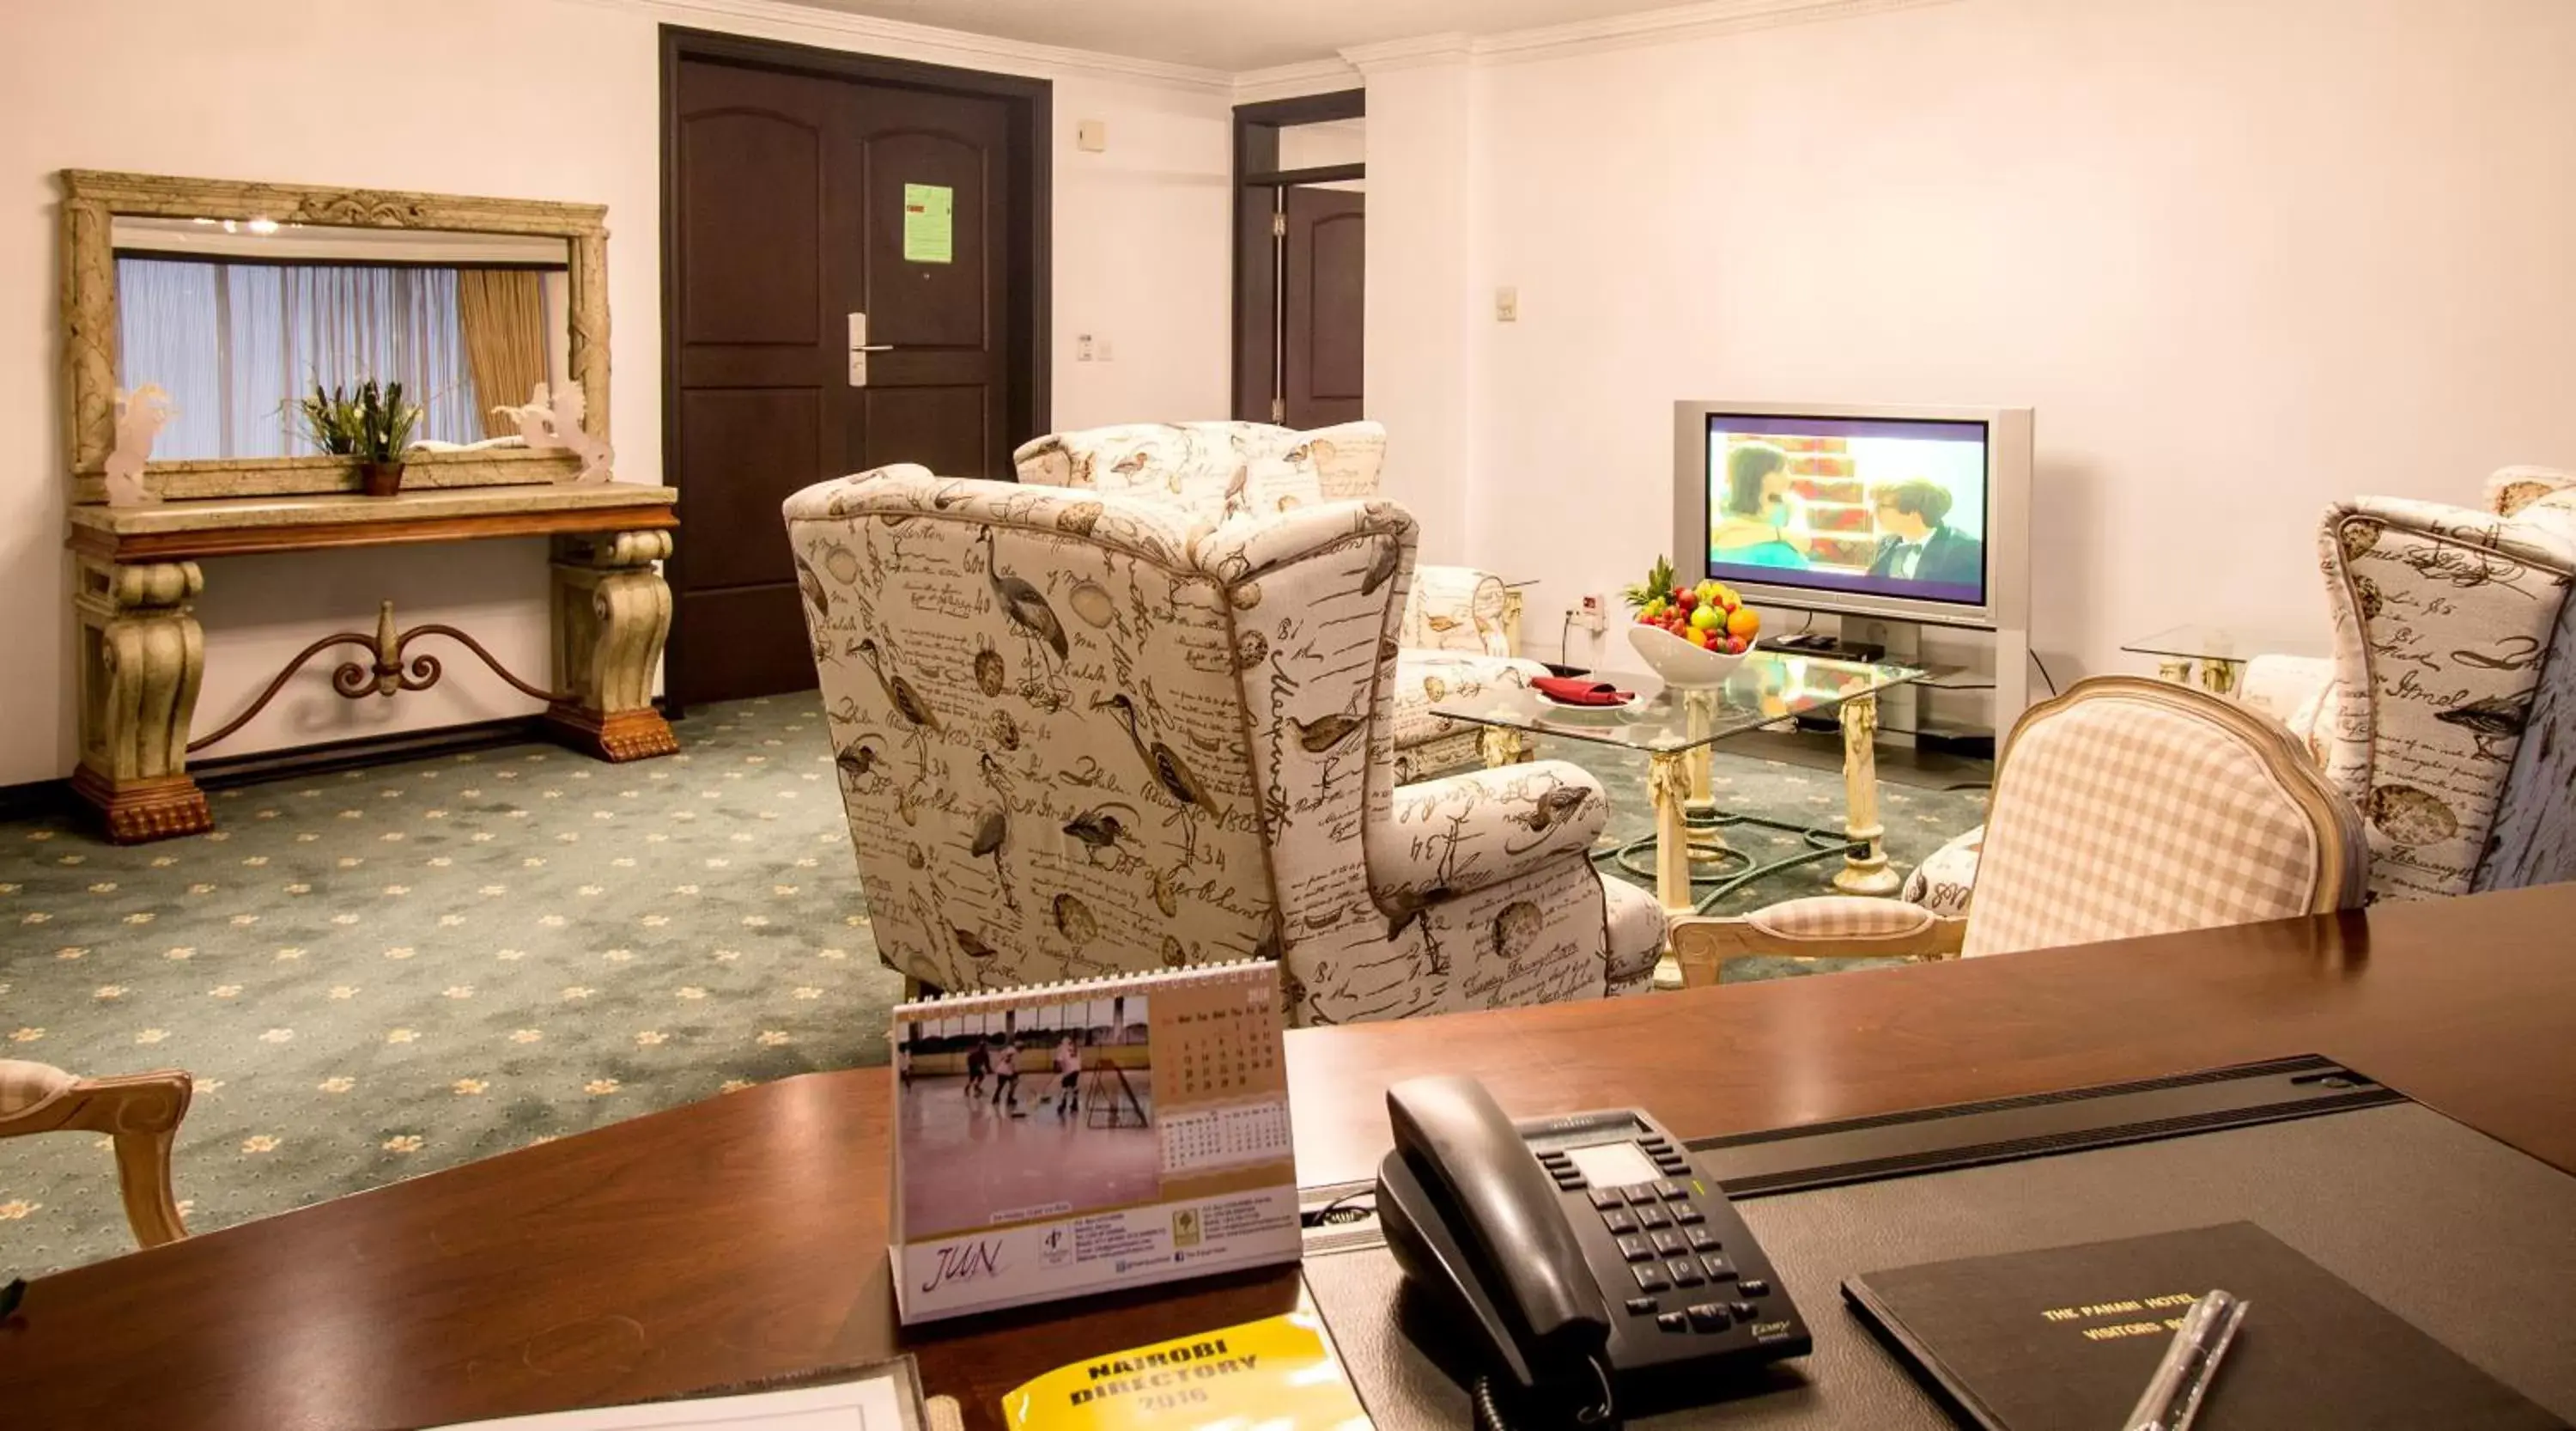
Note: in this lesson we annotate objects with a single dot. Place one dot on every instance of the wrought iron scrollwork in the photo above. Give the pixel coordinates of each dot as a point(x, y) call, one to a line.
point(388, 674)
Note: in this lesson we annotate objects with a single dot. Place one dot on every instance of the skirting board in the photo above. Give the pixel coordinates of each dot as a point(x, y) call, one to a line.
point(39, 799)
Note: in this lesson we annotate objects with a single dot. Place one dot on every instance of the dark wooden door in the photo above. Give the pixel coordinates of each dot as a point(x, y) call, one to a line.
point(789, 194)
point(1322, 307)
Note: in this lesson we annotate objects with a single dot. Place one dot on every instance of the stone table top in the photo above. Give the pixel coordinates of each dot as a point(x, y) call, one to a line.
point(176, 530)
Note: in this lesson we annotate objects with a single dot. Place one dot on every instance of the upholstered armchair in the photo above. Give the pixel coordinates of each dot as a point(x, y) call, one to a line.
point(2462, 756)
point(1079, 733)
point(1453, 638)
point(139, 1113)
point(2125, 807)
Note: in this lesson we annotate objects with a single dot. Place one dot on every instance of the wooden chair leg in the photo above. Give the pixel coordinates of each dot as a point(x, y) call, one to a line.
point(141, 1112)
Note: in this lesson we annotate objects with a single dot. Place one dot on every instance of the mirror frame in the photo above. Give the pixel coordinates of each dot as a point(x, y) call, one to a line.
point(91, 201)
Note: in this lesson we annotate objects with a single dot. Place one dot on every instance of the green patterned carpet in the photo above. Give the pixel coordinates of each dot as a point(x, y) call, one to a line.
point(383, 973)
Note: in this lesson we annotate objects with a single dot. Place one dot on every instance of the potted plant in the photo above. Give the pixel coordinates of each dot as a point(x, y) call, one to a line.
point(372, 425)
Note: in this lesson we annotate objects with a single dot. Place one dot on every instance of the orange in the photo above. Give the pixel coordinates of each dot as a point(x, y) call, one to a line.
point(1743, 621)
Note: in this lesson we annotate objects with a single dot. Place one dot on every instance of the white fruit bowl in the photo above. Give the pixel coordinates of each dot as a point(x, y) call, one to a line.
point(1682, 665)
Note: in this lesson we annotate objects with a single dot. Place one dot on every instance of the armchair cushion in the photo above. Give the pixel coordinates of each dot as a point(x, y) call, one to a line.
point(23, 1085)
point(1464, 832)
point(1425, 678)
point(1456, 608)
point(2510, 489)
point(1947, 879)
point(1637, 933)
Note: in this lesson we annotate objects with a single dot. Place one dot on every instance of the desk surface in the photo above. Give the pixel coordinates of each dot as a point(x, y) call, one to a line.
point(745, 1236)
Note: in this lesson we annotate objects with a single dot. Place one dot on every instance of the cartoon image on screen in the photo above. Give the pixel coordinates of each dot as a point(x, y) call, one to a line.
point(1894, 507)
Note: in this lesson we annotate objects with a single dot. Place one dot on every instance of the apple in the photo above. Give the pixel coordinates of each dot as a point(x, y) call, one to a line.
point(1686, 599)
point(1708, 618)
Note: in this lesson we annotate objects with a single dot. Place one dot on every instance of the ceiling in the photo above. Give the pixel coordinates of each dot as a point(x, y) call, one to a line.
point(1231, 35)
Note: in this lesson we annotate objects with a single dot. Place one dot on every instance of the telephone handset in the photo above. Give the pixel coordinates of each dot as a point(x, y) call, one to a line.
point(1591, 1256)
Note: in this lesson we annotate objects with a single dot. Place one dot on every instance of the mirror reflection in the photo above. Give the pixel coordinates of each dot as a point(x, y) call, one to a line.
point(238, 319)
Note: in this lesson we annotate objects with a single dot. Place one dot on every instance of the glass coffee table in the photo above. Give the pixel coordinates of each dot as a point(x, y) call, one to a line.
point(1677, 729)
point(2218, 652)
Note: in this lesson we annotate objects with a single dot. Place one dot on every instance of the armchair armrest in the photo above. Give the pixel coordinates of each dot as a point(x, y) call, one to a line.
point(1462, 833)
point(1832, 926)
point(1455, 608)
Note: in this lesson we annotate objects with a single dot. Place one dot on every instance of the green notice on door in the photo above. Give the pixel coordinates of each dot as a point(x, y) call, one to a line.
point(929, 223)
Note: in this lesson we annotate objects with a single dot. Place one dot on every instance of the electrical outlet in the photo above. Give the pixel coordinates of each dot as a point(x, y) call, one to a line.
point(1082, 348)
point(1507, 305)
point(1595, 613)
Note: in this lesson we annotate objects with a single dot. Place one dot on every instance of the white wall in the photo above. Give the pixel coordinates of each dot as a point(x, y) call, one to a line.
point(540, 99)
point(2242, 256)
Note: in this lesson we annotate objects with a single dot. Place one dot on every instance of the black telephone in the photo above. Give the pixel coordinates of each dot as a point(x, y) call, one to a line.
point(1595, 1261)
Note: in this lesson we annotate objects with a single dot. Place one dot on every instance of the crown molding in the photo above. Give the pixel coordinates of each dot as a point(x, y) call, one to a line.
point(1294, 81)
point(840, 29)
point(1443, 49)
point(1674, 23)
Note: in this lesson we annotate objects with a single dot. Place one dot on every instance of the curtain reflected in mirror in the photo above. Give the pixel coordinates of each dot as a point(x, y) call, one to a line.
point(236, 336)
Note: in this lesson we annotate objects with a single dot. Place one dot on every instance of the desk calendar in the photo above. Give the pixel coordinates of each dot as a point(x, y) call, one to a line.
point(1079, 1137)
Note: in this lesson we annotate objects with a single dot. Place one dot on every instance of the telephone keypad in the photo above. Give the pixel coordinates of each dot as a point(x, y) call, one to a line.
point(1692, 1265)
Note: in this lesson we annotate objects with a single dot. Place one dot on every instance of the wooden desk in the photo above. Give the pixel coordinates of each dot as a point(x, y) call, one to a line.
point(745, 1236)
point(142, 656)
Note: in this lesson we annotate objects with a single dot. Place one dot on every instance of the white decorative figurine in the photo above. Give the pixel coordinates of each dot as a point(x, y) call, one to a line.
point(140, 416)
point(552, 423)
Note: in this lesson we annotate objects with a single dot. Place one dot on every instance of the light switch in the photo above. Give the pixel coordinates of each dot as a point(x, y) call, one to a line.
point(1091, 136)
point(1507, 305)
point(1082, 348)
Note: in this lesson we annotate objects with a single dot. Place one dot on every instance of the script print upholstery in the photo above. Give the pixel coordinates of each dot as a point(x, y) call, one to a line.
point(1453, 639)
point(2452, 716)
point(2117, 816)
point(1081, 734)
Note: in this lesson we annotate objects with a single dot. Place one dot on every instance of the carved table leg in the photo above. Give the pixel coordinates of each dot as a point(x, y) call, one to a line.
point(1866, 872)
point(141, 659)
point(611, 615)
point(2220, 676)
point(2174, 669)
point(1699, 711)
point(1501, 747)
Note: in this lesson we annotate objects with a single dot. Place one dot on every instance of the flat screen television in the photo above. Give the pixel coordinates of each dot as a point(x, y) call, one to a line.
point(1904, 513)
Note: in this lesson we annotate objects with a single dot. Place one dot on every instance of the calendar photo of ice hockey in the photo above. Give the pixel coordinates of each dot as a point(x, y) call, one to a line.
point(1026, 1113)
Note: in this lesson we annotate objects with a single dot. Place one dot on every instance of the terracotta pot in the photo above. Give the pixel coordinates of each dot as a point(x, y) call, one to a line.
point(383, 479)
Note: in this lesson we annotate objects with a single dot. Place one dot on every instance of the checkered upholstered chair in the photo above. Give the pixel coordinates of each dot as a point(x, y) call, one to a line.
point(2460, 627)
point(1453, 638)
point(1083, 734)
point(2125, 807)
point(139, 1112)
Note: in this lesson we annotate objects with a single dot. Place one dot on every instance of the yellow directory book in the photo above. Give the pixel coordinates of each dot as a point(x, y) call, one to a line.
point(1279, 1372)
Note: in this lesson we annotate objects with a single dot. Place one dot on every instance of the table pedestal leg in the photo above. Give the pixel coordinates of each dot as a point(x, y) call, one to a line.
point(142, 657)
point(1866, 872)
point(2220, 677)
point(1502, 747)
point(1700, 711)
point(2174, 669)
point(611, 614)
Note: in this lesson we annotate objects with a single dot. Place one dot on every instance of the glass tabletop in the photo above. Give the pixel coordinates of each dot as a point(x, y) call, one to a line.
point(2193, 641)
point(1768, 689)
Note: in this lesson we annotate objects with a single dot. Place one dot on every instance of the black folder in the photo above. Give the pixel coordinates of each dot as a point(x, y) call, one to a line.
point(2067, 1337)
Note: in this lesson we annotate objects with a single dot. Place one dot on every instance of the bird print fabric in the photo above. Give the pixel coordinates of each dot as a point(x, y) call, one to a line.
point(1080, 734)
point(2457, 626)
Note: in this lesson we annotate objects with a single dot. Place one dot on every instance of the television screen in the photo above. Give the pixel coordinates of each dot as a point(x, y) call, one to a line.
point(1889, 507)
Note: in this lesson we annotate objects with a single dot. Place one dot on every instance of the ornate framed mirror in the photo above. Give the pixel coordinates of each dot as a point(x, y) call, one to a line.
point(237, 299)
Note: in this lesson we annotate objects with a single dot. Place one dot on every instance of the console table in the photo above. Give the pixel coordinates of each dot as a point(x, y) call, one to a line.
point(142, 655)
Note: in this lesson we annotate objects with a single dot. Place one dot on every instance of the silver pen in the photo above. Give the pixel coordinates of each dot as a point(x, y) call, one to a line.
point(2173, 1394)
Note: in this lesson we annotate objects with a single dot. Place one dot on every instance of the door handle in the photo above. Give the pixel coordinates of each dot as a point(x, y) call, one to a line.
point(860, 347)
